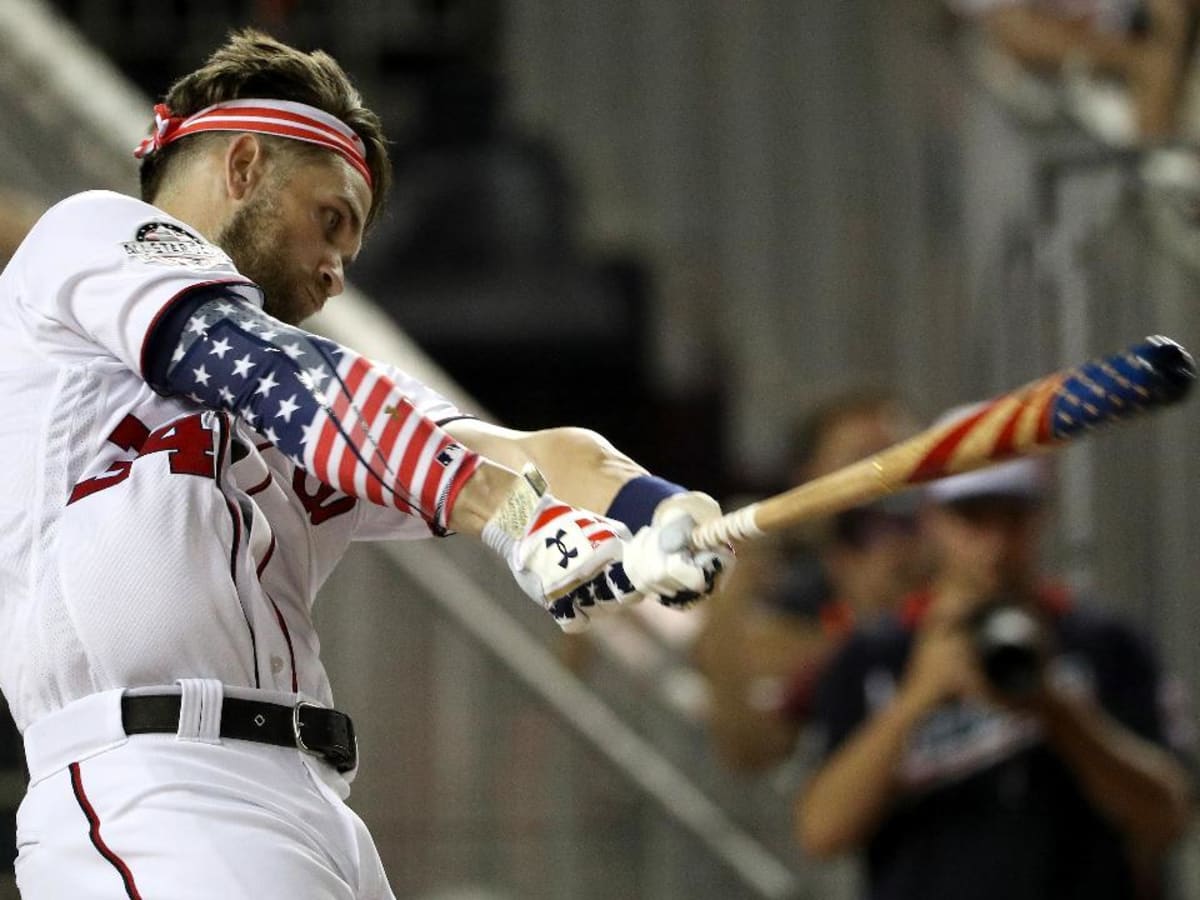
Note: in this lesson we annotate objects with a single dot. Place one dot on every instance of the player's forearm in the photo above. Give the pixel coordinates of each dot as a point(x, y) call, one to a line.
point(480, 497)
point(847, 799)
point(580, 466)
point(1138, 785)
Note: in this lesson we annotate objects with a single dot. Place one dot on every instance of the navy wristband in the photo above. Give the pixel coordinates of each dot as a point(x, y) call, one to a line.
point(636, 500)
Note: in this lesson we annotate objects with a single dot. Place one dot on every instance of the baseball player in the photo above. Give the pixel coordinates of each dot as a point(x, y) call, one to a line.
point(184, 468)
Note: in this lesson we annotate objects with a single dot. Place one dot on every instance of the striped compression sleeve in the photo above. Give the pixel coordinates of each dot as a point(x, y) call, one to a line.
point(341, 417)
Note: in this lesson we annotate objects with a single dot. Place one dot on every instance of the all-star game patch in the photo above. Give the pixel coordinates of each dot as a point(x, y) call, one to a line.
point(170, 245)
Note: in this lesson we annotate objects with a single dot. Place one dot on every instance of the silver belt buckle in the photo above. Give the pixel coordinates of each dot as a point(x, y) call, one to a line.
point(297, 726)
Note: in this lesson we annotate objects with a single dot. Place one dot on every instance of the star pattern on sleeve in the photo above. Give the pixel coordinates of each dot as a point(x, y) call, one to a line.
point(330, 411)
point(222, 361)
point(286, 408)
point(266, 384)
point(242, 367)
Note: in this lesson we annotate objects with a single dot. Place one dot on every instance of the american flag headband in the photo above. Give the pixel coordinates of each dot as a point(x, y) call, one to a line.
point(282, 118)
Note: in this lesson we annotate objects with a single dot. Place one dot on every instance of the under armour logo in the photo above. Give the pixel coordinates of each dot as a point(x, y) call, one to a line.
point(567, 554)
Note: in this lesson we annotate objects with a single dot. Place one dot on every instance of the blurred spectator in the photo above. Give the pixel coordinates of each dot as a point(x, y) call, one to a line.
point(993, 738)
point(788, 602)
point(1145, 47)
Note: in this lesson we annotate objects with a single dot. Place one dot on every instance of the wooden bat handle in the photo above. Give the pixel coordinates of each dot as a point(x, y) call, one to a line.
point(1040, 416)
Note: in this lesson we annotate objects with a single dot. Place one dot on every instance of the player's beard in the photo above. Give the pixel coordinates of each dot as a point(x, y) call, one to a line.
point(254, 240)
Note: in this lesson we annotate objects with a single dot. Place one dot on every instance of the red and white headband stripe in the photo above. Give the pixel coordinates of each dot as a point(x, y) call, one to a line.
point(282, 118)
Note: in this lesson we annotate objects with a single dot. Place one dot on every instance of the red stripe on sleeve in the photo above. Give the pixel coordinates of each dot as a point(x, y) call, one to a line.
point(324, 465)
point(320, 458)
point(350, 385)
point(412, 454)
point(379, 392)
point(358, 435)
point(397, 417)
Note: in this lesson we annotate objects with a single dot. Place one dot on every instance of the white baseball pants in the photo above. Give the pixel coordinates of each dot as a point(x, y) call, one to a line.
point(183, 816)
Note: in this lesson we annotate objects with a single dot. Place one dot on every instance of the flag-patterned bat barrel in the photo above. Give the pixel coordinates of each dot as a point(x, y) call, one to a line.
point(1042, 415)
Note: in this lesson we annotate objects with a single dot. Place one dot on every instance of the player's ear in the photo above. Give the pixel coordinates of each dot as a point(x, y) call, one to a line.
point(245, 165)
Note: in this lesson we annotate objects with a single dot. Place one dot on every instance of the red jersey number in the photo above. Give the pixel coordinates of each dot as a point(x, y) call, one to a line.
point(187, 442)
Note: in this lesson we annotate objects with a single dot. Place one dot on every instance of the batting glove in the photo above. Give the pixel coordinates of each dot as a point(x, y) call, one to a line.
point(565, 558)
point(659, 560)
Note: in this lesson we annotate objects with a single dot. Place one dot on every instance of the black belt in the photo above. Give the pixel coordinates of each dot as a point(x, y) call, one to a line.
point(323, 732)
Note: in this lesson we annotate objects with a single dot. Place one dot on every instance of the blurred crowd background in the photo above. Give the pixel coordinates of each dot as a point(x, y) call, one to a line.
point(691, 226)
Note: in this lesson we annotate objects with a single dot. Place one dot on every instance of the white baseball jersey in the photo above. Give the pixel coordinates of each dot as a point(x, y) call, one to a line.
point(145, 538)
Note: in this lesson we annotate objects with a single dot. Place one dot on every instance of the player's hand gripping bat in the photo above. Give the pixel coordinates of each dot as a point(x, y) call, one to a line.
point(1043, 415)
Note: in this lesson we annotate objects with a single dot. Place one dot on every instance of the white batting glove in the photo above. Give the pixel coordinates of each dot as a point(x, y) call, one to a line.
point(659, 561)
point(565, 558)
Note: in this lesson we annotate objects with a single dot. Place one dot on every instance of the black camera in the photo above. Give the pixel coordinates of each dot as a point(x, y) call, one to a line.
point(1010, 642)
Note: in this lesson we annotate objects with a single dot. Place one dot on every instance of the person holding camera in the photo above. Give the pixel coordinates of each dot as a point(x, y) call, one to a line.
point(995, 738)
point(791, 601)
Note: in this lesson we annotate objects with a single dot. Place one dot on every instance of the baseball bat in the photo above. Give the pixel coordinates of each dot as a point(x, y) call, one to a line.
point(1038, 417)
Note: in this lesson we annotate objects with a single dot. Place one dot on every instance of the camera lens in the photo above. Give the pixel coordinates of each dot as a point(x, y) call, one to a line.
point(1008, 642)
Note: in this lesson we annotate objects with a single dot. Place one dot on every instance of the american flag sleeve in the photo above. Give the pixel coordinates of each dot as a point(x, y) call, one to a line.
point(335, 413)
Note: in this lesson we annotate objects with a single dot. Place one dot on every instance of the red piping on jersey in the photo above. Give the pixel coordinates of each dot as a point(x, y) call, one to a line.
point(260, 487)
point(266, 558)
point(287, 636)
point(236, 521)
point(162, 311)
point(94, 833)
point(234, 513)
